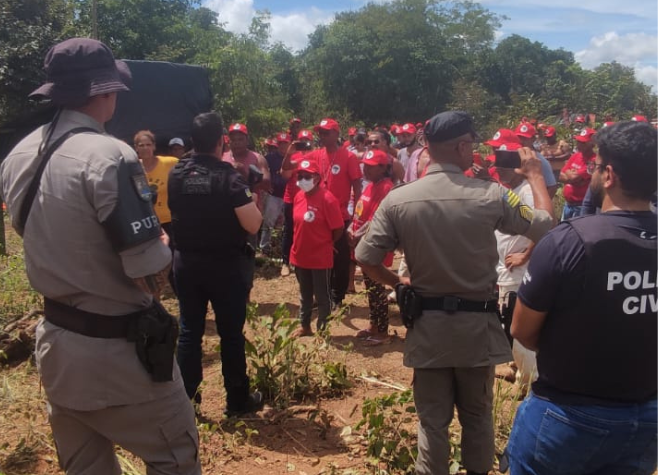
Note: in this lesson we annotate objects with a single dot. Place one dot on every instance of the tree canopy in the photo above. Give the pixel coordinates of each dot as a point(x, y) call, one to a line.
point(398, 61)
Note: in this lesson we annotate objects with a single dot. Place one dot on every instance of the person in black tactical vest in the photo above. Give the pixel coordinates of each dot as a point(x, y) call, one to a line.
point(212, 214)
point(589, 305)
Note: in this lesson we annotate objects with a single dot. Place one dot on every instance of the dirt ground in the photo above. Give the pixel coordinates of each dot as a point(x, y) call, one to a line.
point(313, 437)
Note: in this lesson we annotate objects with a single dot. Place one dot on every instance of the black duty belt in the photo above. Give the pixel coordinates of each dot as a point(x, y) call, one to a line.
point(87, 323)
point(452, 304)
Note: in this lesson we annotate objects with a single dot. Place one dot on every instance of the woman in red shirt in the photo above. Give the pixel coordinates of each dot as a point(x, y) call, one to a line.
point(376, 169)
point(317, 223)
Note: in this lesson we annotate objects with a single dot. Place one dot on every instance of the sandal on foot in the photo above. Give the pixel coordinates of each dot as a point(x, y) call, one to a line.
point(302, 331)
point(365, 333)
point(377, 340)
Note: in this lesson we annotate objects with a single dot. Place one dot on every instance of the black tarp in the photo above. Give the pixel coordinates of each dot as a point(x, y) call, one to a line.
point(163, 98)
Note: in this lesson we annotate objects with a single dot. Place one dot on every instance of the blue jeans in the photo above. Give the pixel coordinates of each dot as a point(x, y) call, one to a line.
point(550, 439)
point(570, 211)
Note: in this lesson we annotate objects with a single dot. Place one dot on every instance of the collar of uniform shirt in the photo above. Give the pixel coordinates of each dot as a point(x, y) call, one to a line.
point(435, 167)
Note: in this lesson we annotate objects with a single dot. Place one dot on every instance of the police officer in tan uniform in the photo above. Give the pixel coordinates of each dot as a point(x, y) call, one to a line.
point(95, 250)
point(445, 225)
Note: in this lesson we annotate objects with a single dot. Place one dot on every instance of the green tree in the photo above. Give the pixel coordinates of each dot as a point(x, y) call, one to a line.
point(28, 28)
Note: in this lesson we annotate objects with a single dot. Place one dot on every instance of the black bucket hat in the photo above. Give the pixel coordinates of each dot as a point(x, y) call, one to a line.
point(80, 68)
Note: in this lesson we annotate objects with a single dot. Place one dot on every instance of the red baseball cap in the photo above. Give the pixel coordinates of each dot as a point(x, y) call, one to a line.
point(310, 166)
point(510, 146)
point(327, 124)
point(395, 129)
point(525, 129)
point(639, 118)
point(549, 131)
point(501, 137)
point(305, 135)
point(270, 142)
point(283, 137)
point(375, 157)
point(295, 119)
point(607, 124)
point(238, 128)
point(351, 131)
point(585, 135)
point(408, 128)
point(580, 118)
point(419, 125)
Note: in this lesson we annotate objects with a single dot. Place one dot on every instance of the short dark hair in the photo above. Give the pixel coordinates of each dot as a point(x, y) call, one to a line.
point(207, 132)
point(631, 149)
point(383, 133)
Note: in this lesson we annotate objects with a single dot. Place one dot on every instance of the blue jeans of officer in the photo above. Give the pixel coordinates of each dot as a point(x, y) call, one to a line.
point(224, 282)
point(549, 438)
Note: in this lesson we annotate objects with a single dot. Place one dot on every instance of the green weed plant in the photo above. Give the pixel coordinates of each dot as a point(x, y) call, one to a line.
point(283, 368)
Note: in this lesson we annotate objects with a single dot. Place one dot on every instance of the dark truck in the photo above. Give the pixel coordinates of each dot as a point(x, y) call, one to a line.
point(163, 98)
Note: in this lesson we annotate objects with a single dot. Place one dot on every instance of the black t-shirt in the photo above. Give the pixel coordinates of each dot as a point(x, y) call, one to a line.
point(555, 282)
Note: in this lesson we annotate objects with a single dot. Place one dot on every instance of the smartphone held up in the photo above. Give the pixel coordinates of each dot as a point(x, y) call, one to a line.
point(507, 156)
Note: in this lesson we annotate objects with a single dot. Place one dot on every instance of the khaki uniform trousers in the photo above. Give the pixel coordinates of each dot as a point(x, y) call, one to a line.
point(436, 392)
point(161, 432)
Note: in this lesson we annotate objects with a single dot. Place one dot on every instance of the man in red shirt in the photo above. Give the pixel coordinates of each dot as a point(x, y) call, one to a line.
point(340, 173)
point(318, 223)
point(575, 176)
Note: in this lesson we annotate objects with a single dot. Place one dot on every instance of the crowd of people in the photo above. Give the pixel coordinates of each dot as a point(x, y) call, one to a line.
point(482, 278)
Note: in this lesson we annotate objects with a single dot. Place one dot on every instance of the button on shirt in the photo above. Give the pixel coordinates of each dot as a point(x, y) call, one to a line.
point(445, 225)
point(69, 258)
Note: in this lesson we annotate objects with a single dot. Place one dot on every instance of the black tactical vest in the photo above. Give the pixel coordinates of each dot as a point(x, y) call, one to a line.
point(605, 346)
point(202, 214)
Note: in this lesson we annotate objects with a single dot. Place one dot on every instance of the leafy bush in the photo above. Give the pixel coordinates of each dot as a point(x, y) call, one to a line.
point(283, 368)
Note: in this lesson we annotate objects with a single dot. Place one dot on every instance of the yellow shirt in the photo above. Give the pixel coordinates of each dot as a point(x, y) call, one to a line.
point(158, 178)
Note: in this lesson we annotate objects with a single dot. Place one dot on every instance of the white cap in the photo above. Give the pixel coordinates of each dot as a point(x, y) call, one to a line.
point(177, 141)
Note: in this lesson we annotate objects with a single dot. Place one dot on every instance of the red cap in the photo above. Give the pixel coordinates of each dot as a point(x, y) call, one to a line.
point(585, 135)
point(305, 135)
point(282, 137)
point(510, 146)
point(395, 129)
point(419, 125)
point(375, 157)
point(639, 118)
point(501, 137)
point(238, 128)
point(607, 124)
point(541, 126)
point(580, 118)
point(407, 129)
point(270, 142)
point(310, 166)
point(351, 131)
point(295, 119)
point(549, 131)
point(525, 129)
point(327, 124)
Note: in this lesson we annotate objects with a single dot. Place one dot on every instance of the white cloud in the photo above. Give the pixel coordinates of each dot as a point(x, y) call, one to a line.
point(647, 75)
point(291, 29)
point(235, 15)
point(638, 50)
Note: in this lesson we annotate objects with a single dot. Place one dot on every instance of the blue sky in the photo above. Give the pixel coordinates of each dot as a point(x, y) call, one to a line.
point(596, 31)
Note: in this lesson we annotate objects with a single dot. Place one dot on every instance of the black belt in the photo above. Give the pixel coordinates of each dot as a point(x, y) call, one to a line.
point(87, 323)
point(455, 304)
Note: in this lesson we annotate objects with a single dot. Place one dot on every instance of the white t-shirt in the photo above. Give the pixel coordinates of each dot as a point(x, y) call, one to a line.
point(508, 244)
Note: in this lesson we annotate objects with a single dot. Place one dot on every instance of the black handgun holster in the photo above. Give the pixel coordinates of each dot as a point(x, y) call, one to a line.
point(410, 304)
point(155, 334)
point(506, 314)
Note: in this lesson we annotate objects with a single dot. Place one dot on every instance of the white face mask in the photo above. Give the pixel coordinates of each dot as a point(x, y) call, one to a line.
point(306, 185)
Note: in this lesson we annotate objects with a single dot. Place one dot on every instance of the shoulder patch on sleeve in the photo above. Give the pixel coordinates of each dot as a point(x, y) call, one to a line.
point(247, 192)
point(526, 212)
point(511, 198)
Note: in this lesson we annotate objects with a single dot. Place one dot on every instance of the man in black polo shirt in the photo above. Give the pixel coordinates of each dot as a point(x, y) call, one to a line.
point(588, 304)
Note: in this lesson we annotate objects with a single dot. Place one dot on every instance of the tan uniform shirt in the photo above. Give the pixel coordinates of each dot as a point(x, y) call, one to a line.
point(445, 225)
point(69, 258)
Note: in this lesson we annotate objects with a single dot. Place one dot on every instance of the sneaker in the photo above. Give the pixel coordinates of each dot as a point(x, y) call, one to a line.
point(255, 403)
point(285, 270)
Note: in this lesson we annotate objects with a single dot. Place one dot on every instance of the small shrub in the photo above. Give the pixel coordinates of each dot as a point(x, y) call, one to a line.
point(283, 368)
